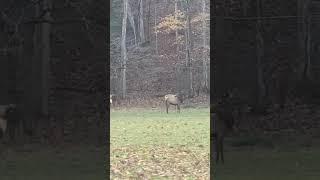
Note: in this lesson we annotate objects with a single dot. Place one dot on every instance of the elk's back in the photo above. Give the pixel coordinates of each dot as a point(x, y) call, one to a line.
point(172, 99)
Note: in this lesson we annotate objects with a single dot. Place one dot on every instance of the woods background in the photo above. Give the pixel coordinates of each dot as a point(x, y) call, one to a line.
point(167, 50)
point(54, 66)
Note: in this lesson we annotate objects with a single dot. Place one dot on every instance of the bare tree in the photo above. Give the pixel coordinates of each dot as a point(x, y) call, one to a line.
point(141, 25)
point(307, 39)
point(45, 55)
point(188, 47)
point(123, 48)
point(149, 14)
point(131, 19)
point(261, 89)
point(204, 60)
point(176, 16)
point(155, 24)
point(32, 101)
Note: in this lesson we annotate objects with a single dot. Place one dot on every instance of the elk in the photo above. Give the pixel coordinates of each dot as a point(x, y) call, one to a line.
point(223, 119)
point(173, 99)
point(114, 99)
point(111, 96)
point(8, 118)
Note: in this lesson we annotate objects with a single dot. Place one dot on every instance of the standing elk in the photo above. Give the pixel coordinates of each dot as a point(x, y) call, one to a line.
point(222, 115)
point(173, 99)
point(8, 119)
point(114, 99)
point(111, 96)
point(11, 121)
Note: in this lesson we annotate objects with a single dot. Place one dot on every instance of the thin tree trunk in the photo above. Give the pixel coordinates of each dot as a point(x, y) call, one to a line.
point(30, 102)
point(261, 89)
point(155, 24)
point(175, 13)
point(188, 50)
point(4, 72)
point(300, 13)
point(245, 6)
point(189, 26)
point(35, 81)
point(141, 32)
point(45, 57)
point(131, 20)
point(307, 40)
point(204, 60)
point(123, 47)
point(149, 14)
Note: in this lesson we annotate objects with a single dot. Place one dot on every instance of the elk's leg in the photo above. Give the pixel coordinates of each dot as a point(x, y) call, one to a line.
point(217, 149)
point(167, 107)
point(12, 131)
point(178, 106)
point(221, 148)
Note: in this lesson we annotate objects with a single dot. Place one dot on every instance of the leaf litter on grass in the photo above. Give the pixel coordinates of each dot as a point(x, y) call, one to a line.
point(159, 163)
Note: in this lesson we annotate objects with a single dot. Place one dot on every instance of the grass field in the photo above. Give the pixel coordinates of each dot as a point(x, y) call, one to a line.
point(150, 144)
point(281, 156)
point(81, 163)
point(270, 164)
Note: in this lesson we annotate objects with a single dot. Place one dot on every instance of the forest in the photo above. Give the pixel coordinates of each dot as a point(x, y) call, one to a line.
point(264, 89)
point(265, 53)
point(54, 80)
point(159, 89)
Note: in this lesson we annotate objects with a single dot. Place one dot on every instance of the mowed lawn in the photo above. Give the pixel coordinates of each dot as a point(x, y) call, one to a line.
point(150, 144)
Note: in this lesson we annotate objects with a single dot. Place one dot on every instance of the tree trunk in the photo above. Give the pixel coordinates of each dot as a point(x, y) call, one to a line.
point(149, 29)
point(189, 26)
point(4, 77)
point(35, 81)
point(155, 24)
point(219, 69)
point(175, 13)
point(261, 89)
point(204, 60)
point(141, 32)
point(245, 6)
point(45, 56)
point(307, 41)
point(131, 19)
point(300, 13)
point(123, 48)
point(188, 50)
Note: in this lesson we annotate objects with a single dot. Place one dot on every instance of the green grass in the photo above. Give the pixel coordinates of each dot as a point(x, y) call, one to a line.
point(82, 163)
point(285, 157)
point(188, 129)
point(150, 144)
point(270, 164)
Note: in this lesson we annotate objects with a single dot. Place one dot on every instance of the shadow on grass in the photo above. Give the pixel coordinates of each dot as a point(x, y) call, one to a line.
point(265, 158)
point(81, 163)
